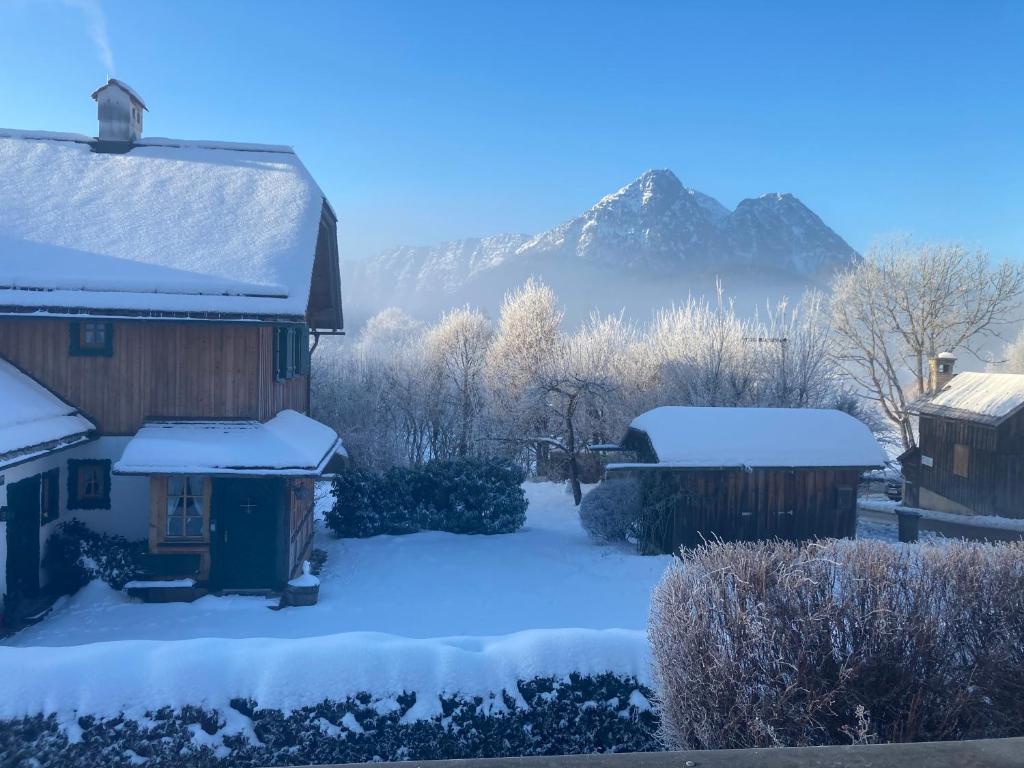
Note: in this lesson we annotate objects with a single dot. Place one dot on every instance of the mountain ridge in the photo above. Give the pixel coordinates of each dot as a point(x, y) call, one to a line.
point(652, 230)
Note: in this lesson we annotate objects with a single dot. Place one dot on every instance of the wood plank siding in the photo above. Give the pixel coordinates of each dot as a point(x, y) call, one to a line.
point(686, 506)
point(157, 369)
point(979, 468)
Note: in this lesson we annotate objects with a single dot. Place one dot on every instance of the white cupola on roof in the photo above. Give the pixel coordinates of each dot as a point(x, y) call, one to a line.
point(120, 112)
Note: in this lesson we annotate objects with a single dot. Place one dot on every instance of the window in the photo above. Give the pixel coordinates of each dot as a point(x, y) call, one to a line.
point(92, 337)
point(291, 351)
point(961, 460)
point(88, 484)
point(49, 496)
point(185, 518)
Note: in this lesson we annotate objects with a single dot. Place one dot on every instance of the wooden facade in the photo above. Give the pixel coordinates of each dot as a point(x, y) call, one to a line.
point(967, 467)
point(271, 550)
point(684, 507)
point(158, 369)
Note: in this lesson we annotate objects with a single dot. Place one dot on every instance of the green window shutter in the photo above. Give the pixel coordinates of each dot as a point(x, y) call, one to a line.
point(49, 507)
point(304, 344)
point(74, 331)
point(280, 352)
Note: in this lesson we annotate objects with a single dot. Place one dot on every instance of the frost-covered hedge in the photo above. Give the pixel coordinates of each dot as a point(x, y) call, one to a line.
point(773, 644)
point(76, 554)
point(609, 512)
point(583, 714)
point(466, 496)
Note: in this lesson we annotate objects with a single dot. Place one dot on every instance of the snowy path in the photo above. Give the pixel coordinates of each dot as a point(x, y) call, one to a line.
point(547, 575)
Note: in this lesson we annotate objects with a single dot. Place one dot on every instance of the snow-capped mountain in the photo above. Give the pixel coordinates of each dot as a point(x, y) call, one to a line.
point(654, 235)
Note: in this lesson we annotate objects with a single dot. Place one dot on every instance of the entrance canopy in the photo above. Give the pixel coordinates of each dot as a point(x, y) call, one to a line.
point(290, 444)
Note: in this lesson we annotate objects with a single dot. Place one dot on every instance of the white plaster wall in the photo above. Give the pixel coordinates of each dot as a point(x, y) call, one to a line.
point(128, 515)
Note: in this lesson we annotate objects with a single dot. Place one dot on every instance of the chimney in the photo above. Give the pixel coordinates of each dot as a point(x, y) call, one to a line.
point(940, 371)
point(120, 114)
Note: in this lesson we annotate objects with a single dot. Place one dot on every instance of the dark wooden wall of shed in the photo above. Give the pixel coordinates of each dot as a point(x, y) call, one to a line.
point(158, 369)
point(995, 476)
point(792, 504)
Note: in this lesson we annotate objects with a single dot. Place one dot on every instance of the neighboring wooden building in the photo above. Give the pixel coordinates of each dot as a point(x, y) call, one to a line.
point(970, 454)
point(170, 288)
point(746, 473)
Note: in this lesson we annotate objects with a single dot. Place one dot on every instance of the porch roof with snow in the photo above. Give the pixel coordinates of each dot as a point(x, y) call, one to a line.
point(734, 438)
point(986, 398)
point(33, 420)
point(170, 227)
point(290, 444)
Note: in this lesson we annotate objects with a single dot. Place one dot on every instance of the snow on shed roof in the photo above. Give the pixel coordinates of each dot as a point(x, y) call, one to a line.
point(989, 398)
point(288, 444)
point(33, 420)
point(171, 226)
point(757, 437)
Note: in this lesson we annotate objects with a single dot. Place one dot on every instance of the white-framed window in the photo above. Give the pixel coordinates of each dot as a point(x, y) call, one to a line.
point(185, 504)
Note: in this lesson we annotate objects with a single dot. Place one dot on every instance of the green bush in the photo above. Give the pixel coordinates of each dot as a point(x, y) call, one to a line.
point(773, 644)
point(463, 496)
point(76, 554)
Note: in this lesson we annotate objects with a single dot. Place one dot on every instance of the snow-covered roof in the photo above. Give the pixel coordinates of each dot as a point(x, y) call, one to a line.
point(756, 437)
point(124, 87)
point(989, 398)
point(288, 444)
point(171, 226)
point(33, 420)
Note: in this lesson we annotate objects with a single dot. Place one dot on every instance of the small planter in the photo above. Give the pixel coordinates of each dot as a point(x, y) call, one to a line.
point(301, 595)
point(302, 590)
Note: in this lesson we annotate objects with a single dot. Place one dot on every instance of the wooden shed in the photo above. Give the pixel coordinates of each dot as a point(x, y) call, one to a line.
point(970, 454)
point(746, 473)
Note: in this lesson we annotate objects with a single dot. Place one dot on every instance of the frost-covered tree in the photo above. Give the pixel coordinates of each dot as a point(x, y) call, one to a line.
point(1014, 354)
point(525, 344)
point(458, 347)
point(906, 302)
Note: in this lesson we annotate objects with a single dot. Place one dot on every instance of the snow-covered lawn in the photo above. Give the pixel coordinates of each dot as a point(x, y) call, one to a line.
point(429, 613)
point(547, 575)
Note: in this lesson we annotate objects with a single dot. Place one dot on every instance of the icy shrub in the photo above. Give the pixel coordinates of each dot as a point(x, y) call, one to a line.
point(76, 554)
point(581, 714)
point(771, 644)
point(464, 496)
point(609, 513)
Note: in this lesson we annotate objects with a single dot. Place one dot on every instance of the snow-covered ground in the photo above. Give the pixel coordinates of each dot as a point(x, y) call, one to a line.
point(430, 613)
point(547, 575)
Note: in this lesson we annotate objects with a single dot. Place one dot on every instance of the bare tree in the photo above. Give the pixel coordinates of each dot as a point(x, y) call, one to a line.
point(906, 302)
point(572, 383)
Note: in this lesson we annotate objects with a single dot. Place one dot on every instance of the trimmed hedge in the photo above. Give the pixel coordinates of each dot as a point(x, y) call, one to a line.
point(464, 496)
point(602, 713)
point(773, 644)
point(76, 554)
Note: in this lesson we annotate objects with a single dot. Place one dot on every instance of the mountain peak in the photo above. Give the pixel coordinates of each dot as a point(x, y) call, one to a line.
point(653, 228)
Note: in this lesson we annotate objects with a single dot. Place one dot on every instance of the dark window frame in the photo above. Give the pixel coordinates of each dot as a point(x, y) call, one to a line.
point(97, 501)
point(79, 347)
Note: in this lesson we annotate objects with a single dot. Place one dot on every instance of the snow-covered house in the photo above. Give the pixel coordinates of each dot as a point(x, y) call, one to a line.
point(159, 302)
point(970, 453)
point(746, 473)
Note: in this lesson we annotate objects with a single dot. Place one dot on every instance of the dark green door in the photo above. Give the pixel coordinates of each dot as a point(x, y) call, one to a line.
point(245, 512)
point(23, 538)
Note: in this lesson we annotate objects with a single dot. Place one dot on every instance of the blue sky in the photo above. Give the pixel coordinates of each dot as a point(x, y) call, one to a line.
point(433, 120)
